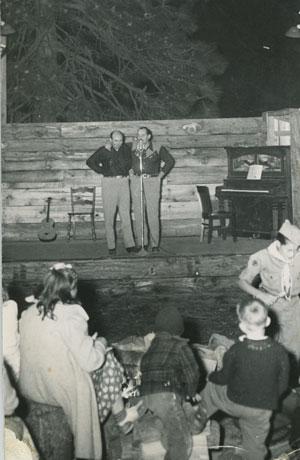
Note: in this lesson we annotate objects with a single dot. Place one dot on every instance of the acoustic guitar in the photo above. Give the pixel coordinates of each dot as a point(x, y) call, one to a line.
point(47, 231)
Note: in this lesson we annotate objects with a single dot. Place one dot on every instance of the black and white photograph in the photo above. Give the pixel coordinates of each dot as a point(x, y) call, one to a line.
point(150, 193)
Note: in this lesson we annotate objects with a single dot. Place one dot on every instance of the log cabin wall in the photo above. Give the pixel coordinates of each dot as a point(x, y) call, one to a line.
point(45, 160)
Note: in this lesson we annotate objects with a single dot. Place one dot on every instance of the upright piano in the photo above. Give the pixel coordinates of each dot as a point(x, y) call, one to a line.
point(258, 189)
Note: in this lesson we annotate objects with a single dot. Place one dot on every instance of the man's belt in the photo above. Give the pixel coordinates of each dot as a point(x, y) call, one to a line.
point(146, 175)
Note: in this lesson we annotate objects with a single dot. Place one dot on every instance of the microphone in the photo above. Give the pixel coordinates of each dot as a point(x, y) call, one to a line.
point(140, 146)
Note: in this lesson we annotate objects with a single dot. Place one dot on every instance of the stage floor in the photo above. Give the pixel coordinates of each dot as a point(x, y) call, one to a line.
point(80, 249)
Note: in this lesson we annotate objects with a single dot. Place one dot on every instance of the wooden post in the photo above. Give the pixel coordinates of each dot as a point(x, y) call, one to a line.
point(6, 30)
point(295, 164)
point(3, 79)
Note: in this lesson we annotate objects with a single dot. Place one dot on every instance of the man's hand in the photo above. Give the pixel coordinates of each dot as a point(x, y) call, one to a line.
point(266, 298)
point(101, 340)
point(108, 144)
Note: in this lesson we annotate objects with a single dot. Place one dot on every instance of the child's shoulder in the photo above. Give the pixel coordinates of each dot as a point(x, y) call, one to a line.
point(10, 304)
point(71, 310)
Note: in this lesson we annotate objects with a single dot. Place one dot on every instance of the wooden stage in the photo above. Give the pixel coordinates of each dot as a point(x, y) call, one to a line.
point(84, 249)
point(123, 293)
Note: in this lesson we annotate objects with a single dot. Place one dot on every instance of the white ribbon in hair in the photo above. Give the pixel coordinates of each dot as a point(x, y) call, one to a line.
point(61, 266)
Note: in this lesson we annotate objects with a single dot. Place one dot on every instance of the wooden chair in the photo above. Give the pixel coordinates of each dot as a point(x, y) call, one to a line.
point(83, 201)
point(208, 216)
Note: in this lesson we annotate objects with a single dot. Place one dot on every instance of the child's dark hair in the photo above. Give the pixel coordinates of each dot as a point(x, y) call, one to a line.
point(281, 238)
point(57, 286)
point(5, 295)
point(253, 312)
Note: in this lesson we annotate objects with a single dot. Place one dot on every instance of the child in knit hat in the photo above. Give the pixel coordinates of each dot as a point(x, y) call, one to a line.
point(170, 373)
point(279, 268)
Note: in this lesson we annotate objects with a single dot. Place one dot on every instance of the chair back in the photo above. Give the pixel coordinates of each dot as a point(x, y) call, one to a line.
point(203, 194)
point(83, 199)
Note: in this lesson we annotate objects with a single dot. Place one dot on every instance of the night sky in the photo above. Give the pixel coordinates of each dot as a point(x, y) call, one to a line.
point(263, 70)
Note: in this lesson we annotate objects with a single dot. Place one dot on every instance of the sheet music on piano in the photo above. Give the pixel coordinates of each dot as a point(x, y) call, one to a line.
point(255, 172)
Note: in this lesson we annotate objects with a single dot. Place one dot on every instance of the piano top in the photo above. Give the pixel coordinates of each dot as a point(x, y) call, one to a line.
point(269, 163)
point(271, 159)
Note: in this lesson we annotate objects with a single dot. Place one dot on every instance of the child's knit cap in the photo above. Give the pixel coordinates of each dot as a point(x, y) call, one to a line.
point(169, 320)
point(291, 232)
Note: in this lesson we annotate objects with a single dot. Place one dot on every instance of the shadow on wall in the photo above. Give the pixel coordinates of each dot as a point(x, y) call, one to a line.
point(91, 302)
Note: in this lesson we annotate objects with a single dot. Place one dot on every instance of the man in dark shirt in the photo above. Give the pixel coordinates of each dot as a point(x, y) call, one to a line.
point(114, 162)
point(147, 174)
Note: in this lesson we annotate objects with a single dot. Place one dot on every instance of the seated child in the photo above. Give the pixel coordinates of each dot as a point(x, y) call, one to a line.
point(170, 373)
point(61, 365)
point(10, 331)
point(255, 374)
point(17, 440)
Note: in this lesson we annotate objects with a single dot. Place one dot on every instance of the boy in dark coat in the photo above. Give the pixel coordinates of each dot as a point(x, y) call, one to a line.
point(170, 373)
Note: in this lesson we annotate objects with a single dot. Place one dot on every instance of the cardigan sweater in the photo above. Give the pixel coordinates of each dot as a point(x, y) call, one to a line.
point(256, 373)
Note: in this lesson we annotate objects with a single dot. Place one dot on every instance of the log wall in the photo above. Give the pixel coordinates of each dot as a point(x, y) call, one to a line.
point(42, 160)
point(122, 296)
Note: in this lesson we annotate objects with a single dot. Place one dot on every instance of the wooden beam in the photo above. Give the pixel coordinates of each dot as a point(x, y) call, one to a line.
point(159, 127)
point(143, 268)
point(295, 164)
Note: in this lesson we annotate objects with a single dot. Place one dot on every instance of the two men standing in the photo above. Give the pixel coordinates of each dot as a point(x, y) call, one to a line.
point(142, 161)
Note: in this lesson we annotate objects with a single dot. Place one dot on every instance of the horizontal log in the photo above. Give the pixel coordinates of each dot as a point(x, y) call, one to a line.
point(40, 185)
point(34, 214)
point(159, 127)
point(136, 268)
point(167, 127)
point(189, 161)
point(32, 176)
point(61, 196)
point(31, 130)
point(37, 197)
point(67, 177)
point(9, 155)
point(29, 231)
point(179, 141)
point(44, 165)
point(41, 164)
point(204, 153)
point(200, 175)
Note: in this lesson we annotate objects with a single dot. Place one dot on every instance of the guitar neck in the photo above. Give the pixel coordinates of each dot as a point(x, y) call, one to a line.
point(48, 210)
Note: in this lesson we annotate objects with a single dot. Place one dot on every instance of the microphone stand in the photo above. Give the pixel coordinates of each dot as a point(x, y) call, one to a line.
point(142, 252)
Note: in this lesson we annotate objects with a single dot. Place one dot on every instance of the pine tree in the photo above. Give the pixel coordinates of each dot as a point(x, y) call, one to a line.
point(89, 60)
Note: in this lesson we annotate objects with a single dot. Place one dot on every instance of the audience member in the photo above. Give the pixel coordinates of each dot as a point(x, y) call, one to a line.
point(279, 269)
point(10, 333)
point(254, 376)
point(58, 357)
point(170, 373)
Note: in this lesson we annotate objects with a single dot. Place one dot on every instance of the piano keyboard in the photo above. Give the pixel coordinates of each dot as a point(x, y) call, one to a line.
point(235, 190)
